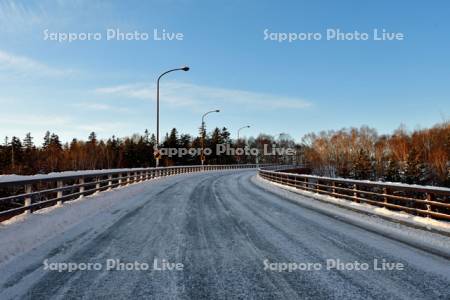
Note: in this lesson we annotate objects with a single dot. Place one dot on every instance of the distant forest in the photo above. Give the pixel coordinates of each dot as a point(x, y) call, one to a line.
point(418, 157)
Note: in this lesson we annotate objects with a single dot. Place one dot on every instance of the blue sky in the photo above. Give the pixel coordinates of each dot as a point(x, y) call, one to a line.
point(298, 87)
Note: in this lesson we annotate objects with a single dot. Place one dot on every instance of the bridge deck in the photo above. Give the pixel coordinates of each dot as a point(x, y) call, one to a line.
point(221, 227)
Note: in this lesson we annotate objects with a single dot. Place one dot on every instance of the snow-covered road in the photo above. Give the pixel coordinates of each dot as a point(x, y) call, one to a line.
point(222, 230)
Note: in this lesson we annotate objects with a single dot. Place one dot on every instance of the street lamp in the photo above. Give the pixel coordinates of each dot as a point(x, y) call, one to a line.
point(202, 156)
point(239, 130)
point(157, 155)
point(248, 126)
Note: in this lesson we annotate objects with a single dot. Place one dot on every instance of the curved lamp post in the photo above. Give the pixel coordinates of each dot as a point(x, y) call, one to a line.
point(157, 155)
point(202, 156)
point(239, 130)
point(248, 126)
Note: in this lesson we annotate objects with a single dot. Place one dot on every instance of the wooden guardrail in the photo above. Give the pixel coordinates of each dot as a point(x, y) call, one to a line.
point(29, 193)
point(418, 200)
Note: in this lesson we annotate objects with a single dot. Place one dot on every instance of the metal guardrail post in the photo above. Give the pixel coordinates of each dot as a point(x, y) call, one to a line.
point(119, 181)
point(428, 206)
point(109, 182)
point(28, 190)
point(97, 185)
point(59, 194)
point(81, 190)
point(355, 193)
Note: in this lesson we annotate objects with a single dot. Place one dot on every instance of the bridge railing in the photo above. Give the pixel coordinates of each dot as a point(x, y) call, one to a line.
point(426, 201)
point(20, 194)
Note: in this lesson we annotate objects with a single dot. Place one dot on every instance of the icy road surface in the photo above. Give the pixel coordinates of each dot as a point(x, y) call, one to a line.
point(221, 227)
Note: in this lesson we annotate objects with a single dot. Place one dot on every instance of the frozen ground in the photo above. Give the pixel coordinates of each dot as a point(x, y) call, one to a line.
point(221, 226)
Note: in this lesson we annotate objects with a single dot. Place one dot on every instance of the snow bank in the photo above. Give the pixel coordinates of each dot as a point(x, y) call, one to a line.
point(14, 177)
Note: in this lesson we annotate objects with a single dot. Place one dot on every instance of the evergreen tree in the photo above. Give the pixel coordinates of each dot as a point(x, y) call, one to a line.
point(417, 171)
point(16, 154)
point(28, 141)
point(225, 135)
point(30, 155)
point(392, 171)
point(46, 140)
point(362, 166)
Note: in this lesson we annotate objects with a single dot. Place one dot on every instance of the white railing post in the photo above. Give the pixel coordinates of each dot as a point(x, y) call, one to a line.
point(97, 185)
point(109, 182)
point(28, 189)
point(119, 180)
point(428, 198)
point(59, 194)
point(81, 189)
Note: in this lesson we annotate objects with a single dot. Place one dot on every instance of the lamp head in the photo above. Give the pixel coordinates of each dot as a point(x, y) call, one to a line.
point(217, 110)
point(185, 68)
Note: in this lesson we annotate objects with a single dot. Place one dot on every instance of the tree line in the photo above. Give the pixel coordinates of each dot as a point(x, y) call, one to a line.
point(24, 157)
point(419, 157)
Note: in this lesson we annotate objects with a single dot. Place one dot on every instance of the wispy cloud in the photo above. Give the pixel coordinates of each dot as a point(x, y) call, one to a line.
point(19, 16)
point(102, 127)
point(15, 15)
point(191, 95)
point(99, 107)
point(25, 66)
point(138, 91)
point(28, 120)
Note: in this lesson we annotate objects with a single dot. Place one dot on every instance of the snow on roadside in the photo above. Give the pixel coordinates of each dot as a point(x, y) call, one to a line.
point(403, 227)
point(385, 183)
point(14, 177)
point(24, 232)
